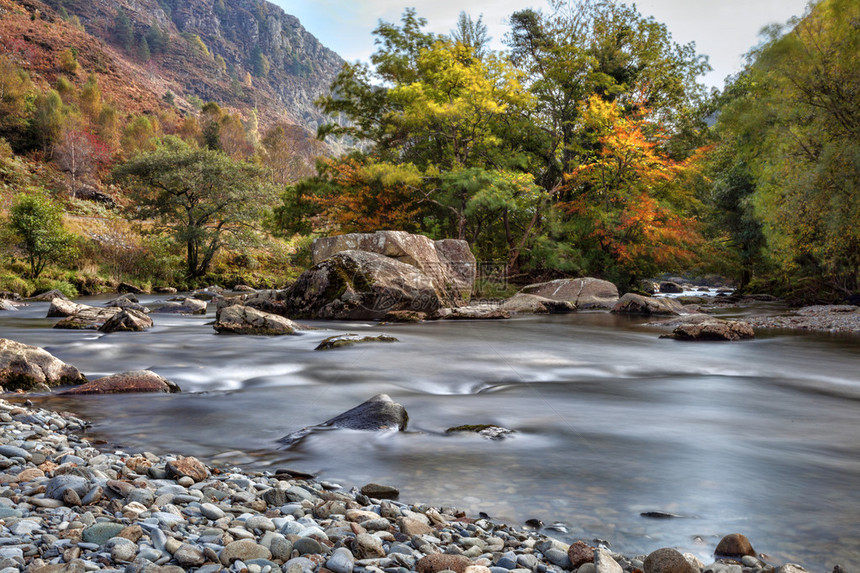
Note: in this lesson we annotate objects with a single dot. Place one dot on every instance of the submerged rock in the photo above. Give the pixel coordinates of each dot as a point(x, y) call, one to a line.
point(357, 285)
point(342, 340)
point(488, 431)
point(377, 413)
point(472, 313)
point(125, 383)
point(239, 319)
point(632, 303)
point(22, 367)
point(583, 293)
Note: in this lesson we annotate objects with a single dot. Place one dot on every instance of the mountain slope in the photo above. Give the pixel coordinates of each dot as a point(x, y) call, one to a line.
point(242, 54)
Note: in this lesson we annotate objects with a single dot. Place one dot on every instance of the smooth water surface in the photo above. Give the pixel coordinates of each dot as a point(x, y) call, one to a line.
point(758, 437)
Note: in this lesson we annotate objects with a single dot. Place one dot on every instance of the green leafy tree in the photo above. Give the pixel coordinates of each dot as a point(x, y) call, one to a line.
point(37, 224)
point(792, 126)
point(201, 196)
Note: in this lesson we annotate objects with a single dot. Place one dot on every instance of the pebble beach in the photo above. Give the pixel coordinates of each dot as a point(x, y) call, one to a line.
point(68, 506)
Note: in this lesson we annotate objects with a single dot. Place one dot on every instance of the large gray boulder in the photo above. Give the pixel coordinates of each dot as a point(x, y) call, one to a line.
point(449, 263)
point(185, 306)
point(23, 366)
point(713, 329)
point(240, 319)
point(360, 285)
point(88, 318)
point(127, 320)
point(64, 307)
point(584, 293)
point(632, 303)
point(376, 414)
point(522, 303)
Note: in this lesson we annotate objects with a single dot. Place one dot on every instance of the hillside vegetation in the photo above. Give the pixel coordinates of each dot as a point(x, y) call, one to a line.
point(587, 147)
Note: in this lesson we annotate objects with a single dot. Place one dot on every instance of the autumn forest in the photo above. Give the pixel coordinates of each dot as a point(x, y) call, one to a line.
point(587, 147)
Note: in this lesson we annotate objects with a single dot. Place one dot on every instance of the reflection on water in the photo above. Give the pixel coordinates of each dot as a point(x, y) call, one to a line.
point(758, 437)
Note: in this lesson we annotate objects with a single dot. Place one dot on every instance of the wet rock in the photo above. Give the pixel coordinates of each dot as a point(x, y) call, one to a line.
point(186, 306)
point(62, 307)
point(129, 288)
point(125, 383)
point(713, 329)
point(404, 316)
point(377, 491)
point(448, 263)
point(441, 561)
point(522, 303)
point(670, 287)
point(667, 560)
point(472, 313)
point(734, 545)
point(358, 285)
point(580, 553)
point(22, 367)
point(239, 319)
point(377, 413)
point(343, 340)
point(632, 303)
point(488, 431)
point(583, 293)
point(88, 318)
point(127, 301)
point(127, 320)
point(187, 467)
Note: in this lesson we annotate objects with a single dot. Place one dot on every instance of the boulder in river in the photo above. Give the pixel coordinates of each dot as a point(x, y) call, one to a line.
point(125, 383)
point(47, 296)
point(449, 263)
point(583, 293)
point(713, 329)
point(240, 319)
point(632, 303)
point(127, 301)
point(487, 431)
point(522, 303)
point(342, 340)
point(359, 285)
point(23, 366)
point(475, 312)
point(377, 413)
point(670, 287)
point(63, 307)
point(185, 306)
point(129, 288)
point(7, 304)
point(88, 318)
point(127, 320)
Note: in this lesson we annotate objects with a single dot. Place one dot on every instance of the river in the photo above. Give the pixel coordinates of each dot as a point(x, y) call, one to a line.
point(758, 437)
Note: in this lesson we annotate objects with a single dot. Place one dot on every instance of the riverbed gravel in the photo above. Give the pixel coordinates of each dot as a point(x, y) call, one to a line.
point(821, 318)
point(67, 506)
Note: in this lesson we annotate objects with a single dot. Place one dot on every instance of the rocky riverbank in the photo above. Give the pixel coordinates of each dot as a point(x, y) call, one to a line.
point(66, 506)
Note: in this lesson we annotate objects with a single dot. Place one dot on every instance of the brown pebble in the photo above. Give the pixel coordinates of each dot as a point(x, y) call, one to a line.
point(734, 545)
point(440, 561)
point(580, 553)
point(190, 467)
point(666, 560)
point(71, 498)
point(132, 533)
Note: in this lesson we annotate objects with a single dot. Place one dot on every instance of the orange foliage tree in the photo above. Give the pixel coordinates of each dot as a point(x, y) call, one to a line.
point(628, 204)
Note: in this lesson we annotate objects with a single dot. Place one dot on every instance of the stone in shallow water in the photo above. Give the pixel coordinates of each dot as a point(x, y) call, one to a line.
point(734, 545)
point(378, 491)
point(343, 340)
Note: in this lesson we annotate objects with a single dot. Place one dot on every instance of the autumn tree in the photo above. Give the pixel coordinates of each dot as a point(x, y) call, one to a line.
point(202, 197)
point(79, 154)
point(15, 94)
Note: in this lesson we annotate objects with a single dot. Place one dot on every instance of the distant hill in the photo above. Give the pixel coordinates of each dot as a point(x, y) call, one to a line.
point(242, 54)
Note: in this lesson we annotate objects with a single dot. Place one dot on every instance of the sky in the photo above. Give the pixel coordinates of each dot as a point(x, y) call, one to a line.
point(724, 30)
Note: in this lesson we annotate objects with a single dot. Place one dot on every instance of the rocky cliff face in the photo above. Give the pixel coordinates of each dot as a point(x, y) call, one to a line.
point(240, 53)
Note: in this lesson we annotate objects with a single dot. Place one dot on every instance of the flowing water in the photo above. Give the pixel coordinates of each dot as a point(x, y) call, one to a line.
point(758, 437)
